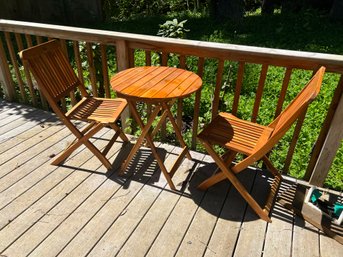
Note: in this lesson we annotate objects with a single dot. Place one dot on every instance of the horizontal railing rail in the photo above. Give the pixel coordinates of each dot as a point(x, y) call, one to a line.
point(223, 67)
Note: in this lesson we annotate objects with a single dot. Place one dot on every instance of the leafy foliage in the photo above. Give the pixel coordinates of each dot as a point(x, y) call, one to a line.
point(173, 29)
point(285, 31)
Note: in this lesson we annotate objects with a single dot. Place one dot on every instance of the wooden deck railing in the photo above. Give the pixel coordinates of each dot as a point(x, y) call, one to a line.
point(17, 83)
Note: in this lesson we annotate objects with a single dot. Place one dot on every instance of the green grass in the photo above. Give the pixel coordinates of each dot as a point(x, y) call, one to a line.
point(308, 31)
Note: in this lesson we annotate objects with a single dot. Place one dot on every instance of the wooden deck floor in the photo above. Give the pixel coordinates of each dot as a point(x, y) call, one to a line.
point(81, 209)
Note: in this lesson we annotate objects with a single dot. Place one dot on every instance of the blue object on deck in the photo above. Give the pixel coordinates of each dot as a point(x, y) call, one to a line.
point(337, 209)
point(315, 195)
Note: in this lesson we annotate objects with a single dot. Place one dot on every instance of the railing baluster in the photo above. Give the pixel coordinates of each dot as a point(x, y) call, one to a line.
point(259, 92)
point(148, 58)
point(19, 41)
point(183, 62)
point(201, 62)
point(15, 65)
point(91, 68)
point(131, 57)
point(122, 53)
point(39, 39)
point(105, 70)
point(26, 68)
point(148, 63)
point(283, 91)
point(239, 83)
point(28, 40)
point(180, 101)
point(215, 103)
point(78, 61)
point(164, 61)
point(5, 75)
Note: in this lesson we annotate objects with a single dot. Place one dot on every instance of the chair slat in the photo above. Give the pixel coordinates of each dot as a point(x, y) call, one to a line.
point(72, 93)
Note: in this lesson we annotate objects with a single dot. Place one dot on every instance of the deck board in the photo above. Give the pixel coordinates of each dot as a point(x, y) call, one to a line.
point(225, 235)
point(80, 209)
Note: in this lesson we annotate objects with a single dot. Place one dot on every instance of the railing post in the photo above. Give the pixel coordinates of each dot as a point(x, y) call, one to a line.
point(325, 130)
point(331, 144)
point(5, 75)
point(123, 62)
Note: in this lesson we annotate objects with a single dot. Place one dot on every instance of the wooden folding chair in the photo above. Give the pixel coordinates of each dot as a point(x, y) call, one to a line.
point(56, 80)
point(254, 141)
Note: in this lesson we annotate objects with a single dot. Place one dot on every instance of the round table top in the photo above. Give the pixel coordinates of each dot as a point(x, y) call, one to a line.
point(155, 83)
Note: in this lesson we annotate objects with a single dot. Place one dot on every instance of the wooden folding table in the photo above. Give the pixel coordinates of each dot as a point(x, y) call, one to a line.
point(159, 86)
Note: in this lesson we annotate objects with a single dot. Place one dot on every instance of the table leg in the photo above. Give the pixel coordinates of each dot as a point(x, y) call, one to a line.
point(150, 142)
point(145, 130)
point(176, 128)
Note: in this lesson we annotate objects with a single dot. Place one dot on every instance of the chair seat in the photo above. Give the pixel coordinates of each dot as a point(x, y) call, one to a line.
point(97, 109)
point(235, 134)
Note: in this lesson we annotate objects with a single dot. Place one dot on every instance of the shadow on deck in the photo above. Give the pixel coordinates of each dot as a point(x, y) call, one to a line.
point(80, 208)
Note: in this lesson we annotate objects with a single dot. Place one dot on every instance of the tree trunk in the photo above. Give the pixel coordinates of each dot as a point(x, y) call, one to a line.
point(228, 9)
point(268, 6)
point(336, 12)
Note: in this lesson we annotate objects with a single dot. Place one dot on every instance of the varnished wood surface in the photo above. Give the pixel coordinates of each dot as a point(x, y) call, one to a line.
point(56, 79)
point(80, 209)
point(155, 83)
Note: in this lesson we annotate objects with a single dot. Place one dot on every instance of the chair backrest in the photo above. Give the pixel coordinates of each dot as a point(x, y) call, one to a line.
point(299, 104)
point(52, 70)
point(285, 120)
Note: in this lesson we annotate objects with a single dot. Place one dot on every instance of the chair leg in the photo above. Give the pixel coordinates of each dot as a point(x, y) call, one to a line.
point(98, 154)
point(84, 140)
point(121, 133)
point(218, 176)
point(270, 166)
point(236, 183)
point(110, 143)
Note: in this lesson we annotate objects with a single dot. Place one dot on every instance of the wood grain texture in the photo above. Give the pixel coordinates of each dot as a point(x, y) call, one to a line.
point(154, 84)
